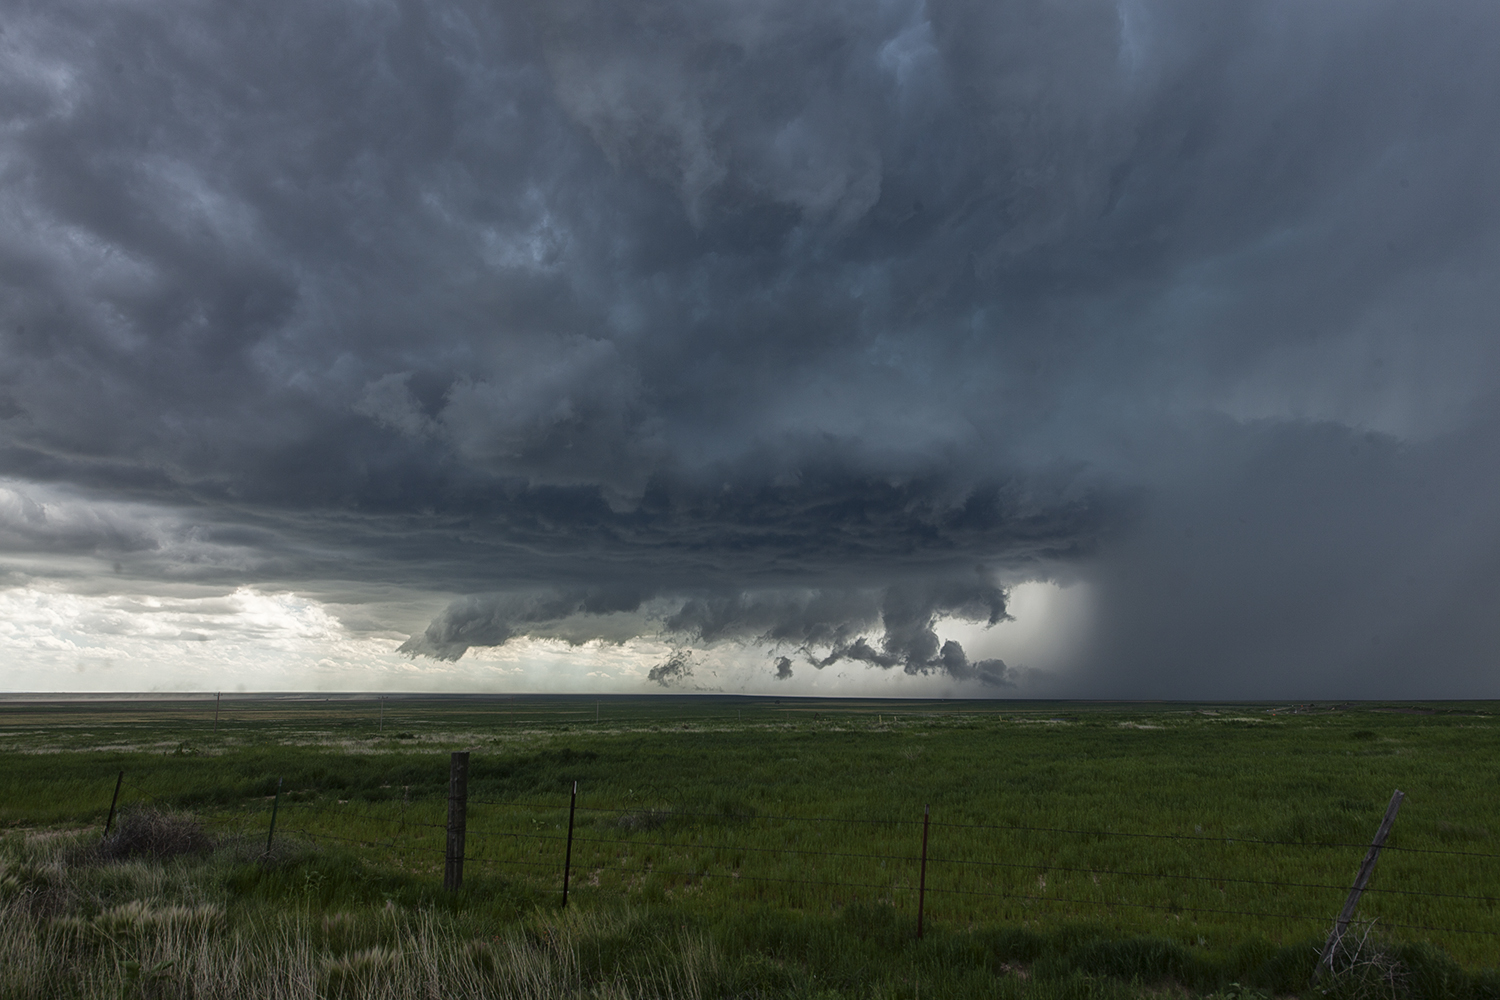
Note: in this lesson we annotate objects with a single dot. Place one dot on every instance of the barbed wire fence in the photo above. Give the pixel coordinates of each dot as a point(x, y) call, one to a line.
point(628, 849)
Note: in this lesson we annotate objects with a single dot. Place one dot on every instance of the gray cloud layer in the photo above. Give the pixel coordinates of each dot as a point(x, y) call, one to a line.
point(772, 321)
point(824, 625)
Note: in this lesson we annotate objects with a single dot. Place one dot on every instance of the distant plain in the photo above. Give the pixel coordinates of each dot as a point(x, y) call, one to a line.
point(1226, 835)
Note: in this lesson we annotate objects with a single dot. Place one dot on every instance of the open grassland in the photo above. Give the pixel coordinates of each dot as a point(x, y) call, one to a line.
point(748, 847)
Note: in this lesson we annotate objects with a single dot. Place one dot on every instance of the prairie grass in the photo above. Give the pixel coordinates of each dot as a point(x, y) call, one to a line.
point(64, 932)
point(733, 848)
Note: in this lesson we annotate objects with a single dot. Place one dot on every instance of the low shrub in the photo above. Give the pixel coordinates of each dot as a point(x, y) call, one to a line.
point(156, 834)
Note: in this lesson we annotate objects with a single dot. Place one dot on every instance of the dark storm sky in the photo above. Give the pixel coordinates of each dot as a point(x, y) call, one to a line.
point(806, 326)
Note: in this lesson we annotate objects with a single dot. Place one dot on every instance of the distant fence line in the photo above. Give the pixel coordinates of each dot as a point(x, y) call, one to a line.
point(300, 818)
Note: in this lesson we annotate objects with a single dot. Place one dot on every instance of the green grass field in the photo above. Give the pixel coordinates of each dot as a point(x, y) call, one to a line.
point(748, 847)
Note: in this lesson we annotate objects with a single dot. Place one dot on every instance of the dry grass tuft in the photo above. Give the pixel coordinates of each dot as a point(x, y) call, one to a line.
point(155, 834)
point(1365, 968)
point(62, 936)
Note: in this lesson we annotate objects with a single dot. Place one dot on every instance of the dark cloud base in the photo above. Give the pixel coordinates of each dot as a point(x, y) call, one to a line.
point(771, 323)
point(825, 626)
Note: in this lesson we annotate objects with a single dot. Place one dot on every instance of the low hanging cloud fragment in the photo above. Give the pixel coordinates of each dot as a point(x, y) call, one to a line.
point(909, 617)
point(494, 620)
point(825, 625)
point(673, 671)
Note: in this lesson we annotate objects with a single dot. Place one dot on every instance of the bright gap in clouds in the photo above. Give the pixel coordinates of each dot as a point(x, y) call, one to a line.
point(1049, 624)
point(249, 640)
point(53, 640)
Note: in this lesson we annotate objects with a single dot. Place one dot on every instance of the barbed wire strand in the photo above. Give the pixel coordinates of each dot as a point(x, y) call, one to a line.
point(1040, 899)
point(674, 813)
point(490, 832)
point(669, 845)
point(324, 835)
point(1149, 836)
point(758, 850)
point(671, 813)
point(1188, 909)
point(552, 865)
point(1209, 878)
point(740, 877)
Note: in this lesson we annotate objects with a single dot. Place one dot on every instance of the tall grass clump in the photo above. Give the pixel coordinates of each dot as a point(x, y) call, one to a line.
point(77, 921)
point(158, 834)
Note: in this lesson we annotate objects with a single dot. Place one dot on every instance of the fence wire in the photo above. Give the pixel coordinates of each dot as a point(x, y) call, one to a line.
point(320, 820)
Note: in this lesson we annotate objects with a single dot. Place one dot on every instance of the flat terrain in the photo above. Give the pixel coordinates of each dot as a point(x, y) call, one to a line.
point(1228, 834)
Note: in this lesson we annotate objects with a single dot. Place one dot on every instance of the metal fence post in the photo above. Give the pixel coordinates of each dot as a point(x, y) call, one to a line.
point(458, 802)
point(922, 881)
point(568, 855)
point(275, 804)
point(110, 821)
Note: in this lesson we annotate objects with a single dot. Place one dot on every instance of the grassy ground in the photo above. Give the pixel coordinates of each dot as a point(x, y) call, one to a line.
point(747, 847)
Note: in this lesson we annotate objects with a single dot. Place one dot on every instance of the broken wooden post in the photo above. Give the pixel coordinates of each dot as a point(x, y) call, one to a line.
point(1336, 936)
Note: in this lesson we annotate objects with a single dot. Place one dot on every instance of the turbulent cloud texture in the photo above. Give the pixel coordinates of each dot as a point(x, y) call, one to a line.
point(810, 327)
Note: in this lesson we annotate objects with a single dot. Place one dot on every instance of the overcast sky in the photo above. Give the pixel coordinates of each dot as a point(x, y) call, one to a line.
point(1011, 348)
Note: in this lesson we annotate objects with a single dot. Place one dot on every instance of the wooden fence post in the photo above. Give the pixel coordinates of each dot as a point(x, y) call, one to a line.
point(922, 881)
point(217, 696)
point(110, 821)
point(1366, 869)
point(458, 803)
point(568, 855)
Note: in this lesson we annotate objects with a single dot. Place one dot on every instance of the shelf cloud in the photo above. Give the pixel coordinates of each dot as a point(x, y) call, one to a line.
point(807, 329)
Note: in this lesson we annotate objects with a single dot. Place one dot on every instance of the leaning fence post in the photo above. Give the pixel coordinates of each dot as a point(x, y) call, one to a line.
point(1366, 869)
point(922, 881)
point(568, 854)
point(458, 803)
point(110, 821)
point(275, 804)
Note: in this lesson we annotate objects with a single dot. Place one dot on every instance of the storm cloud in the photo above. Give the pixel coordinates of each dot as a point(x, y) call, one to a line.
point(824, 625)
point(807, 328)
